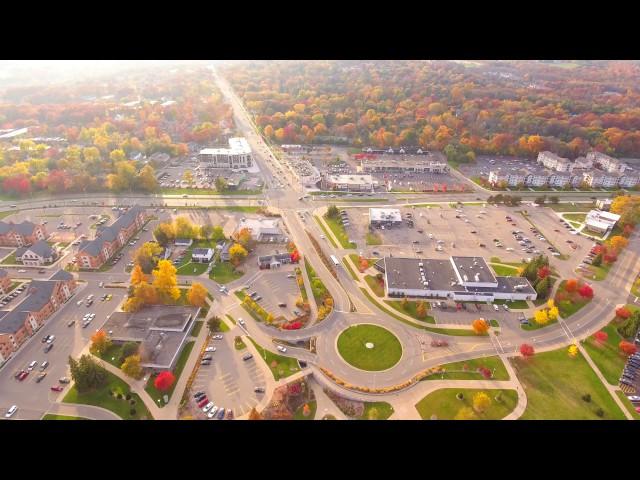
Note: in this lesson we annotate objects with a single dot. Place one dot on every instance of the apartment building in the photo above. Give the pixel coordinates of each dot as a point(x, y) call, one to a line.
point(21, 234)
point(40, 253)
point(607, 163)
point(554, 162)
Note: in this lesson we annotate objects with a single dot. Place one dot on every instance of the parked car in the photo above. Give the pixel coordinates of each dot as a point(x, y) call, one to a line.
point(12, 410)
point(281, 349)
point(207, 407)
point(210, 349)
point(48, 348)
point(64, 380)
point(258, 389)
point(57, 388)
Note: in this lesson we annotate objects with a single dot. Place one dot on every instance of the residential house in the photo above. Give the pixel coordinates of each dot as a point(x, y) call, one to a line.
point(21, 234)
point(183, 242)
point(202, 255)
point(224, 251)
point(40, 253)
point(263, 230)
point(273, 261)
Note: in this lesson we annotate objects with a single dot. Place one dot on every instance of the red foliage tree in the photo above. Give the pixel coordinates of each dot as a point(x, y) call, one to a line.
point(292, 326)
point(586, 291)
point(571, 285)
point(18, 185)
point(623, 312)
point(164, 380)
point(543, 272)
point(627, 348)
point(295, 256)
point(601, 336)
point(485, 372)
point(627, 230)
point(526, 350)
point(610, 257)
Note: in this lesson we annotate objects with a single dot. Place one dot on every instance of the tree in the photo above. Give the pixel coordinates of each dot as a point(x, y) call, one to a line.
point(146, 256)
point(214, 324)
point(306, 410)
point(586, 291)
point(221, 184)
point(618, 242)
point(197, 295)
point(131, 367)
point(147, 180)
point(333, 212)
point(571, 285)
point(481, 402)
point(165, 233)
point(184, 228)
point(187, 176)
point(480, 326)
point(165, 281)
point(244, 238)
point(543, 272)
point(600, 337)
point(573, 351)
point(553, 313)
point(164, 381)
point(86, 373)
point(295, 256)
point(100, 343)
point(541, 317)
point(623, 312)
point(237, 254)
point(364, 264)
point(254, 415)
point(543, 287)
point(129, 348)
point(627, 348)
point(137, 275)
point(526, 350)
point(465, 413)
point(597, 260)
point(123, 178)
point(421, 311)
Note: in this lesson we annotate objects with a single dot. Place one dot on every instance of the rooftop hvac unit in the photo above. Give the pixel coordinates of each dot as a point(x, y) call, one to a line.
point(426, 284)
point(477, 277)
point(421, 264)
point(465, 278)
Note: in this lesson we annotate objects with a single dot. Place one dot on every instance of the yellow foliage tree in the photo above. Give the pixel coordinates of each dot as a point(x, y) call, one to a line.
point(551, 303)
point(137, 275)
point(197, 295)
point(480, 326)
point(553, 313)
point(573, 350)
point(131, 367)
point(166, 282)
point(237, 253)
point(465, 413)
point(541, 317)
point(618, 242)
point(481, 402)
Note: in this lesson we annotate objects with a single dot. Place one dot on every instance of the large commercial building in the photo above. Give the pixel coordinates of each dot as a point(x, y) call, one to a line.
point(405, 165)
point(348, 183)
point(458, 278)
point(384, 216)
point(263, 230)
point(237, 156)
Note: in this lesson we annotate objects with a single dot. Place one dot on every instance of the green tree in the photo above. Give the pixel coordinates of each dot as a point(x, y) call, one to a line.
point(221, 184)
point(597, 261)
point(86, 373)
point(129, 348)
point(333, 212)
point(214, 324)
point(543, 287)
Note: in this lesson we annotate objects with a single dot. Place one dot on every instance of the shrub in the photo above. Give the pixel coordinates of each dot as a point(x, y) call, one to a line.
point(600, 412)
point(623, 312)
point(132, 412)
point(586, 397)
point(128, 396)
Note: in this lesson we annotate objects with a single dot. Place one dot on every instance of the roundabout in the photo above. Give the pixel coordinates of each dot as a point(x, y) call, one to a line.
point(369, 347)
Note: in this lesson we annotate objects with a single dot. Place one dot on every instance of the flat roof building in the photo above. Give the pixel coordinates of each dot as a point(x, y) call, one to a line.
point(236, 156)
point(384, 216)
point(600, 221)
point(348, 182)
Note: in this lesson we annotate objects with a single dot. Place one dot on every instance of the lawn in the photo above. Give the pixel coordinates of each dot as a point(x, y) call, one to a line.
point(630, 406)
point(191, 268)
point(197, 326)
point(279, 365)
point(313, 406)
point(555, 382)
point(9, 259)
point(607, 356)
point(339, 232)
point(385, 352)
point(575, 217)
point(410, 309)
point(177, 371)
point(569, 307)
point(349, 269)
point(463, 332)
point(533, 325)
point(326, 232)
point(635, 288)
point(494, 323)
point(225, 272)
point(102, 397)
point(445, 406)
point(51, 416)
point(373, 239)
point(599, 273)
point(468, 370)
point(239, 344)
point(383, 410)
point(374, 285)
point(223, 326)
point(504, 270)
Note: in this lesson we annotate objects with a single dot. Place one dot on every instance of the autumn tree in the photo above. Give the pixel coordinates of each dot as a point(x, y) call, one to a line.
point(586, 291)
point(255, 415)
point(146, 256)
point(164, 380)
point(166, 282)
point(165, 233)
point(600, 337)
point(623, 312)
point(421, 312)
point(137, 275)
point(481, 402)
point(244, 238)
point(480, 326)
point(187, 176)
point(572, 351)
point(465, 413)
point(100, 343)
point(541, 317)
point(147, 180)
point(627, 348)
point(197, 295)
point(131, 367)
point(184, 228)
point(571, 285)
point(618, 242)
point(526, 350)
point(237, 254)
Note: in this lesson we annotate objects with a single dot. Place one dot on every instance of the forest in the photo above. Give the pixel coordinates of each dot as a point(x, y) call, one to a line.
point(506, 108)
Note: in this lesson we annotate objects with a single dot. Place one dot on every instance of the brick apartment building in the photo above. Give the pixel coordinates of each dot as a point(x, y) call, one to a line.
point(43, 298)
point(5, 281)
point(21, 234)
point(94, 253)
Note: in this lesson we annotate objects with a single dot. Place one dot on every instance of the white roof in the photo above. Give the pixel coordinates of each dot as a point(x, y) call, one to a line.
point(385, 214)
point(600, 219)
point(14, 133)
point(351, 179)
point(237, 146)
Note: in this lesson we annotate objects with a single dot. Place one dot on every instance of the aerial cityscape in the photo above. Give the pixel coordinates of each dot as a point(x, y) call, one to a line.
point(320, 240)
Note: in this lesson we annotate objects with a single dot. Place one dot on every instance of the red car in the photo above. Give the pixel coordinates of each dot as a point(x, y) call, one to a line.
point(57, 388)
point(23, 375)
point(203, 402)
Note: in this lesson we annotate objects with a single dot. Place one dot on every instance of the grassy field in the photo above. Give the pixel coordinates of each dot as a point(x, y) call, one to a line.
point(575, 217)
point(462, 332)
point(379, 410)
point(313, 406)
point(9, 259)
point(445, 406)
point(411, 309)
point(627, 403)
point(51, 416)
point(607, 356)
point(504, 270)
point(191, 268)
point(599, 273)
point(554, 383)
point(177, 371)
point(102, 397)
point(494, 323)
point(326, 232)
point(568, 307)
point(224, 272)
point(386, 351)
point(374, 285)
point(468, 369)
point(279, 365)
point(339, 232)
point(373, 239)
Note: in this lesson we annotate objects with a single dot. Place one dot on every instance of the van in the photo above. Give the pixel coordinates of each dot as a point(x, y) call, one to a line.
point(248, 356)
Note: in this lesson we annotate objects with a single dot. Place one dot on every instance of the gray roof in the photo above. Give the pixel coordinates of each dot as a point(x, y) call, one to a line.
point(201, 251)
point(109, 233)
point(39, 294)
point(404, 273)
point(40, 248)
point(24, 228)
point(11, 322)
point(62, 275)
point(278, 256)
point(472, 266)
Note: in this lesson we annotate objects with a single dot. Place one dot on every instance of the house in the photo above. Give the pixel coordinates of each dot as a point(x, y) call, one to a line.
point(604, 204)
point(263, 230)
point(43, 298)
point(201, 255)
point(224, 251)
point(21, 234)
point(273, 261)
point(40, 253)
point(92, 254)
point(183, 242)
point(5, 281)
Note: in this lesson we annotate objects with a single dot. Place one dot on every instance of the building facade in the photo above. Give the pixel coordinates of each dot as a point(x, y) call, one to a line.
point(348, 183)
point(236, 156)
point(21, 234)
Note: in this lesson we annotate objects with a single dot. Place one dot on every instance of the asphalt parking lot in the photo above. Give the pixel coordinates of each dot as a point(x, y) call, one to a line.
point(34, 399)
point(229, 381)
point(482, 166)
point(274, 287)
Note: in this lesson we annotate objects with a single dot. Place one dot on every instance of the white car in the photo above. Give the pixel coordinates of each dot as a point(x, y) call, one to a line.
point(322, 236)
point(496, 308)
point(51, 339)
point(22, 271)
point(634, 398)
point(79, 302)
point(12, 410)
point(281, 348)
point(217, 337)
point(210, 349)
point(207, 407)
point(213, 412)
point(241, 322)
